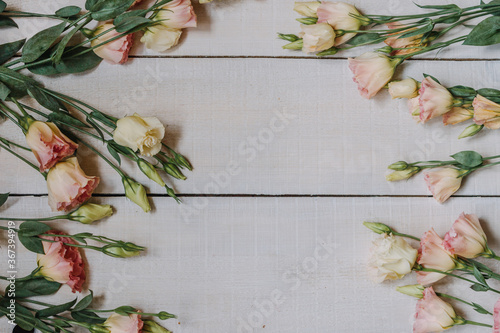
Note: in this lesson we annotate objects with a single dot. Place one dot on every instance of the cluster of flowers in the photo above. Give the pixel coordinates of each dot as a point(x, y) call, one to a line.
point(429, 99)
point(392, 257)
point(330, 27)
point(446, 178)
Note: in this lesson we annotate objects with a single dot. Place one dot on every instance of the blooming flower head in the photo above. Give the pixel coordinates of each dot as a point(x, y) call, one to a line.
point(391, 258)
point(486, 112)
point(140, 133)
point(443, 182)
point(160, 38)
point(466, 238)
point(372, 71)
point(49, 144)
point(432, 254)
point(177, 14)
point(407, 88)
point(116, 51)
point(61, 263)
point(124, 324)
point(69, 186)
point(435, 100)
point(317, 37)
point(433, 314)
point(341, 16)
point(405, 45)
point(308, 8)
point(457, 115)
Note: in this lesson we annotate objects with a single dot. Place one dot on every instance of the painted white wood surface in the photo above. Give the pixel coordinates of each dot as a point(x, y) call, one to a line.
point(214, 268)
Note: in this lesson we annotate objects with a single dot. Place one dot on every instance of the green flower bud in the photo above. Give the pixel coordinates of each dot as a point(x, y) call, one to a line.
point(378, 228)
point(119, 252)
point(398, 166)
point(97, 328)
point(385, 49)
point(402, 174)
point(329, 52)
point(414, 290)
point(152, 327)
point(149, 170)
point(163, 315)
point(308, 20)
point(90, 212)
point(173, 171)
point(471, 131)
point(137, 193)
point(297, 45)
point(183, 161)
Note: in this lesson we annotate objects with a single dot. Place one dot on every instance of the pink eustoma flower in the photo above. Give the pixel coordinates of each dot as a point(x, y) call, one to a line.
point(69, 186)
point(433, 314)
point(177, 14)
point(61, 263)
point(486, 112)
point(116, 51)
point(443, 182)
point(466, 238)
point(341, 16)
point(49, 144)
point(435, 100)
point(124, 324)
point(433, 255)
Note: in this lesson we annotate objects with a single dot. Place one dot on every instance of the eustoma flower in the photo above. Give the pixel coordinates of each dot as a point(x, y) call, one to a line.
point(177, 14)
point(433, 314)
point(309, 8)
point(443, 182)
point(404, 45)
point(61, 263)
point(69, 186)
point(124, 324)
point(48, 144)
point(115, 51)
point(140, 133)
point(435, 100)
point(160, 38)
point(317, 37)
point(341, 16)
point(407, 88)
point(433, 255)
point(466, 238)
point(486, 112)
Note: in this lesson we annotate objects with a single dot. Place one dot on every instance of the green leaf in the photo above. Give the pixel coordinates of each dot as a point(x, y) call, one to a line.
point(129, 13)
point(72, 63)
point(67, 119)
point(452, 6)
point(462, 91)
point(478, 308)
point(53, 310)
point(24, 318)
point(33, 228)
point(7, 22)
point(3, 5)
point(15, 81)
point(478, 287)
point(36, 287)
point(485, 33)
point(130, 23)
point(103, 119)
point(420, 31)
point(4, 91)
point(104, 10)
point(432, 77)
point(479, 276)
point(364, 39)
point(90, 3)
point(488, 92)
point(41, 42)
point(84, 302)
point(44, 328)
point(115, 154)
point(8, 50)
point(125, 310)
point(469, 159)
point(33, 244)
point(3, 198)
point(44, 99)
point(87, 316)
point(68, 11)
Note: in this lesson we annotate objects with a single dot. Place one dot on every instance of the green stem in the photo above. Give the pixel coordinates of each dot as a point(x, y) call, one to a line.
point(459, 300)
point(469, 322)
point(23, 159)
point(405, 235)
point(433, 47)
point(118, 170)
point(52, 218)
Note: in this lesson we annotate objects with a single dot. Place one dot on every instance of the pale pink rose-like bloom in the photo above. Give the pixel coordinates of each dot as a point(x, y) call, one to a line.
point(372, 71)
point(443, 182)
point(433, 314)
point(124, 324)
point(116, 51)
point(177, 14)
point(435, 100)
point(414, 108)
point(338, 15)
point(466, 238)
point(433, 255)
point(69, 186)
point(407, 88)
point(486, 112)
point(49, 144)
point(61, 263)
point(409, 44)
point(496, 317)
point(317, 37)
point(457, 115)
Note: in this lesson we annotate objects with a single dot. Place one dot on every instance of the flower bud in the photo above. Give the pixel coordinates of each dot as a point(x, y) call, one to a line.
point(163, 315)
point(149, 170)
point(317, 37)
point(398, 166)
point(97, 328)
point(378, 228)
point(137, 193)
point(407, 88)
point(151, 326)
point(90, 212)
point(119, 252)
point(471, 131)
point(160, 38)
point(297, 45)
point(173, 171)
point(402, 174)
point(307, 9)
point(414, 290)
point(385, 49)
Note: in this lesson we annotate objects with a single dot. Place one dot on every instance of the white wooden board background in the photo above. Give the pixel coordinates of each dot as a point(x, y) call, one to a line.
point(252, 217)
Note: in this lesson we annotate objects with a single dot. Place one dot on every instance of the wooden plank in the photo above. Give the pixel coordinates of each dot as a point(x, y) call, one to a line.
point(271, 126)
point(220, 269)
point(249, 28)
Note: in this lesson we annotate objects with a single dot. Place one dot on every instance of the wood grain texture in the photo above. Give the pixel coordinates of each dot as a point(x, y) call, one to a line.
point(215, 269)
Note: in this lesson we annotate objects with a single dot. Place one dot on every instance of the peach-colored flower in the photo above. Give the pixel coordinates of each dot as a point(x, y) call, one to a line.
point(457, 115)
point(466, 238)
point(177, 14)
point(486, 112)
point(308, 8)
point(69, 186)
point(124, 324)
point(407, 44)
point(340, 16)
point(317, 37)
point(160, 38)
point(372, 71)
point(435, 100)
point(496, 317)
point(443, 182)
point(414, 108)
point(61, 263)
point(48, 144)
point(433, 255)
point(433, 314)
point(407, 88)
point(116, 51)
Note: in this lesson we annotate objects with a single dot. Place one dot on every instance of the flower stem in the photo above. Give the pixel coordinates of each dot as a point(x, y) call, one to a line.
point(23, 159)
point(459, 300)
point(470, 322)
